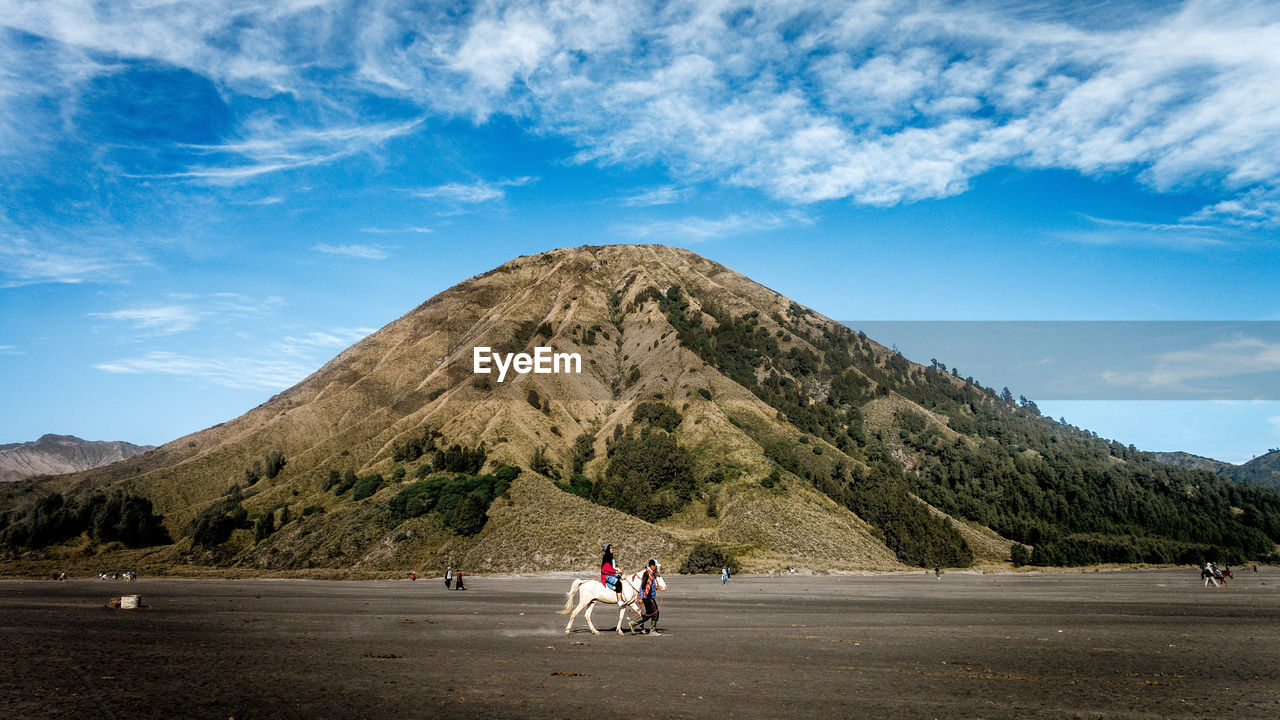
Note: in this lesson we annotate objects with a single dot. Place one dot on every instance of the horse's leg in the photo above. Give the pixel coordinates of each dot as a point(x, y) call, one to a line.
point(591, 606)
point(568, 628)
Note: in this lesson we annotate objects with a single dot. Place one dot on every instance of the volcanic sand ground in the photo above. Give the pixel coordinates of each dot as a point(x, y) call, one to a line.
point(1148, 644)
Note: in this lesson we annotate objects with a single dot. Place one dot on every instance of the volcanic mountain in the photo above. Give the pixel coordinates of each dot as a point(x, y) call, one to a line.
point(56, 454)
point(710, 412)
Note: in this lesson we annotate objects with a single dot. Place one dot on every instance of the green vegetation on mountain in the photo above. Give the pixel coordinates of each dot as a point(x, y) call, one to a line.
point(49, 519)
point(462, 501)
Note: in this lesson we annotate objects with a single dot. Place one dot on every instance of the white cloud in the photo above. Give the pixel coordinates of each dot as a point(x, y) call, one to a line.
point(408, 229)
point(23, 262)
point(480, 191)
point(321, 340)
point(165, 320)
point(1258, 208)
point(11, 350)
point(233, 372)
point(664, 195)
point(190, 312)
point(1183, 235)
point(284, 363)
point(363, 252)
point(697, 229)
point(1228, 358)
point(880, 103)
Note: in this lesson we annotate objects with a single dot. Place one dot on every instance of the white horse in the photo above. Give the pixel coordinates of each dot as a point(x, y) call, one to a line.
point(591, 592)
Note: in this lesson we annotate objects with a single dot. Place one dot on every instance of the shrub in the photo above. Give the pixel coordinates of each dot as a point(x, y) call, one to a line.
point(657, 414)
point(706, 559)
point(274, 462)
point(1020, 555)
point(649, 476)
point(214, 525)
point(462, 501)
point(265, 526)
point(459, 459)
point(366, 487)
point(578, 484)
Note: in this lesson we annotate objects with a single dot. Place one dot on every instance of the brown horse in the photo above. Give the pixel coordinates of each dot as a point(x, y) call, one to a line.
point(1218, 579)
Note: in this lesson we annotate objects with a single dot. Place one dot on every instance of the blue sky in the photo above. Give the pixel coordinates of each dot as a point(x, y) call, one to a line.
point(201, 203)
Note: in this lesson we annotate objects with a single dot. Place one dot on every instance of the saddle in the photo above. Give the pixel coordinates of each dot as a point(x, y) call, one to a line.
point(614, 583)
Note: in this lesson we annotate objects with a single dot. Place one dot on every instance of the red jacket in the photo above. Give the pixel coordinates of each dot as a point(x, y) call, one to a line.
point(605, 571)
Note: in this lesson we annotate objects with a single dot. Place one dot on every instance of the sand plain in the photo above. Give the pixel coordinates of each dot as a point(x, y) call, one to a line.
point(1128, 644)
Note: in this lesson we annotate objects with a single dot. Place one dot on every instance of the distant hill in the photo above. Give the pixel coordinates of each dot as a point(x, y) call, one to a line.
point(1263, 470)
point(57, 454)
point(1193, 462)
point(709, 410)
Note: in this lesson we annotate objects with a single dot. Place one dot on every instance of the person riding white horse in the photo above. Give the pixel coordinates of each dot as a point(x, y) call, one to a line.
point(590, 592)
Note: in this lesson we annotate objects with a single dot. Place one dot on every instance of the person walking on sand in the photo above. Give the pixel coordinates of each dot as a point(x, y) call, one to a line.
point(448, 578)
point(724, 574)
point(457, 581)
point(649, 594)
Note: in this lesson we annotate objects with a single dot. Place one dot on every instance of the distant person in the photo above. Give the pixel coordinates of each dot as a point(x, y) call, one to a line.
point(724, 574)
point(413, 576)
point(448, 578)
point(937, 572)
point(728, 571)
point(457, 581)
point(609, 575)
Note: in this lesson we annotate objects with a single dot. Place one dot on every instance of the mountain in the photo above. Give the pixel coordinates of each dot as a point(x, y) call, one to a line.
point(1194, 462)
point(708, 410)
point(57, 454)
point(1263, 471)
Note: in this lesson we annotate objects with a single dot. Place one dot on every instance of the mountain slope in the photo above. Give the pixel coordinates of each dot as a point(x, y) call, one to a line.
point(1194, 462)
point(57, 454)
point(1263, 471)
point(709, 409)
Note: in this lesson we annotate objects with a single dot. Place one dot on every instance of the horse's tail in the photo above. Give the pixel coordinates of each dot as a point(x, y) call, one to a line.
point(568, 599)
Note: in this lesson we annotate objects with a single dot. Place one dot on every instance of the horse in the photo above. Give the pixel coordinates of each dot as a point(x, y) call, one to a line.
point(591, 592)
point(1218, 579)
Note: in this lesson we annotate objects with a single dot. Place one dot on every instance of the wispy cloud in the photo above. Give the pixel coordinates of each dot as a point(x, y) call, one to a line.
point(480, 191)
point(321, 340)
point(1258, 208)
point(11, 350)
point(363, 252)
point(232, 372)
point(1224, 359)
point(23, 262)
point(166, 320)
point(405, 230)
point(664, 195)
point(190, 312)
point(699, 229)
point(880, 103)
point(270, 149)
point(283, 363)
point(1182, 235)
